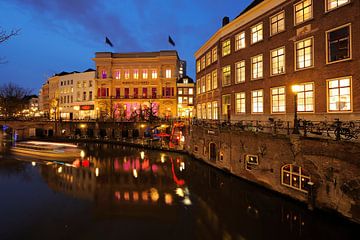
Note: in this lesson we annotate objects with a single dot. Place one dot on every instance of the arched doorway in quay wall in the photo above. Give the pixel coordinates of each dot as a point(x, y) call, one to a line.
point(212, 152)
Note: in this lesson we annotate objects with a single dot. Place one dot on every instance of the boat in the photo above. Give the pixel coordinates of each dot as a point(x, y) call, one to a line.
point(47, 150)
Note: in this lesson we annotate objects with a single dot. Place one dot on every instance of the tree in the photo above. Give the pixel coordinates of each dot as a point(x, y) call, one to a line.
point(12, 99)
point(4, 36)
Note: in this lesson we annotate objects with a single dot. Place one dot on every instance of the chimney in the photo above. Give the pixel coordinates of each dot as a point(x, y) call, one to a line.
point(225, 21)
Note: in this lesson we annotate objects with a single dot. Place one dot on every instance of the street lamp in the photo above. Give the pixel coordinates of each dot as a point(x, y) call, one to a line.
point(295, 89)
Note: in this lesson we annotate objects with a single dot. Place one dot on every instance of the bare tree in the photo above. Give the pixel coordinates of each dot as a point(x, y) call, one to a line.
point(4, 36)
point(12, 99)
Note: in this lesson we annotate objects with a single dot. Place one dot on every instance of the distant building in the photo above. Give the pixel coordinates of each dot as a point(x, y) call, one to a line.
point(44, 101)
point(186, 97)
point(182, 68)
point(130, 83)
point(247, 69)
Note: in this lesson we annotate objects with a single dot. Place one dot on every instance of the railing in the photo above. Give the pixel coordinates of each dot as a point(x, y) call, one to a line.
point(135, 97)
point(336, 130)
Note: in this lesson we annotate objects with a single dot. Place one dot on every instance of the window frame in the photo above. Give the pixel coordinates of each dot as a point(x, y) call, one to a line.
point(252, 101)
point(327, 43)
point(332, 9)
point(237, 48)
point(270, 23)
point(294, 12)
point(214, 57)
point(312, 54)
point(314, 99)
point(351, 95)
point(291, 173)
point(236, 71)
point(251, 33)
point(271, 61)
point(222, 77)
point(240, 103)
point(252, 69)
point(223, 54)
point(214, 80)
point(222, 104)
point(271, 100)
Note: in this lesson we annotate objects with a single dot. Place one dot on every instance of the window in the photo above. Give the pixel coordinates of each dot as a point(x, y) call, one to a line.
point(144, 74)
point(257, 33)
point(84, 84)
point(303, 11)
point(191, 91)
point(136, 92)
point(203, 85)
point(277, 23)
point(198, 111)
point(144, 93)
point(117, 74)
point(153, 92)
point(240, 102)
point(198, 67)
point(203, 108)
point(90, 95)
point(126, 92)
point(295, 177)
point(127, 74)
point(180, 91)
point(257, 101)
point(136, 74)
point(214, 79)
point(168, 73)
point(278, 102)
point(202, 62)
point(226, 103)
point(180, 100)
point(240, 41)
point(90, 83)
point(226, 78)
point(278, 61)
point(257, 67)
point(338, 41)
point(154, 74)
point(208, 58)
point(304, 53)
point(103, 74)
point(215, 110)
point(214, 54)
point(198, 86)
point(339, 94)
point(209, 111)
point(226, 47)
point(240, 72)
point(208, 82)
point(332, 4)
point(305, 97)
point(191, 100)
point(84, 96)
point(250, 161)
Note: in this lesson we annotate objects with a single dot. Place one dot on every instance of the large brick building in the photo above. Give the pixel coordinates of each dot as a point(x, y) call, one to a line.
point(249, 66)
point(128, 83)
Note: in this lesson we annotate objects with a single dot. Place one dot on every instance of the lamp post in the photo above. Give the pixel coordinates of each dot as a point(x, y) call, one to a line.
point(295, 89)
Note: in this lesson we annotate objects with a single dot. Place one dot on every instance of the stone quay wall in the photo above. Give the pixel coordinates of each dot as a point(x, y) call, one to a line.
point(333, 166)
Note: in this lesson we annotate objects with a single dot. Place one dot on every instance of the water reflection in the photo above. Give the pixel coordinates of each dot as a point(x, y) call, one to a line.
point(136, 194)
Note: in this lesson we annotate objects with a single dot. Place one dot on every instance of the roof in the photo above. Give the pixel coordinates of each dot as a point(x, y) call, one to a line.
point(137, 54)
point(251, 5)
point(181, 80)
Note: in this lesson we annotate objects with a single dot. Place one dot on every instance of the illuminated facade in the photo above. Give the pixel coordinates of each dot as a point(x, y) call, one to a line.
point(247, 69)
point(186, 97)
point(129, 84)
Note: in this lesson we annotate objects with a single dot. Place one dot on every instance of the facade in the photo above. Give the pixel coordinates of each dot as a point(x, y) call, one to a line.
point(186, 97)
point(249, 68)
point(44, 101)
point(130, 83)
point(54, 96)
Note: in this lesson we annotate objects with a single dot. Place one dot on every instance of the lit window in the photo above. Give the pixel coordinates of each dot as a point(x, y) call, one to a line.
point(339, 93)
point(257, 33)
point(277, 23)
point(305, 97)
point(144, 73)
point(117, 74)
point(278, 61)
point(257, 101)
point(303, 11)
point(338, 41)
point(153, 74)
point(127, 74)
point(198, 86)
point(203, 108)
point(332, 4)
point(214, 79)
point(226, 47)
point(198, 111)
point(103, 74)
point(240, 41)
point(208, 82)
point(240, 102)
point(198, 67)
point(226, 78)
point(191, 100)
point(168, 73)
point(208, 58)
point(180, 100)
point(203, 85)
point(209, 111)
point(304, 53)
point(240, 72)
point(180, 91)
point(278, 103)
point(215, 110)
point(202, 62)
point(191, 91)
point(257, 67)
point(295, 177)
point(214, 54)
point(136, 74)
point(226, 103)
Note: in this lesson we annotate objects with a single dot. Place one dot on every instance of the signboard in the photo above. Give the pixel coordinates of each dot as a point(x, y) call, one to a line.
point(87, 107)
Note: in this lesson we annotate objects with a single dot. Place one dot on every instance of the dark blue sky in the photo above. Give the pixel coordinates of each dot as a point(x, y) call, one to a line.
point(63, 35)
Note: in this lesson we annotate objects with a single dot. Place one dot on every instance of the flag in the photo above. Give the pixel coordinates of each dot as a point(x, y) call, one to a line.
point(171, 41)
point(107, 41)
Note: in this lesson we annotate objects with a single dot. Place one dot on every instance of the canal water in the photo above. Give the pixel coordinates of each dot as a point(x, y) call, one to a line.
point(118, 192)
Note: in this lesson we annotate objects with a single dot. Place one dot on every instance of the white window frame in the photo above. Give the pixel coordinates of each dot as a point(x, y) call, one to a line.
point(305, 99)
point(228, 83)
point(259, 110)
point(240, 103)
point(258, 64)
point(327, 9)
point(278, 100)
point(277, 58)
point(240, 72)
point(240, 41)
point(277, 23)
point(328, 94)
point(256, 33)
point(304, 20)
point(296, 54)
point(226, 48)
point(327, 44)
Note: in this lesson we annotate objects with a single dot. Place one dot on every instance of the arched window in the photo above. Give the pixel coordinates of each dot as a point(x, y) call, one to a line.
point(295, 177)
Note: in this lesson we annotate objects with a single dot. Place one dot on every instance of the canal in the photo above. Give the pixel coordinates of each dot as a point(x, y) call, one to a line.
point(117, 192)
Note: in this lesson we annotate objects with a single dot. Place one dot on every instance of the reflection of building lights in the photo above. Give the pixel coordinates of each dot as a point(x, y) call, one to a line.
point(142, 125)
point(180, 192)
point(187, 201)
point(33, 164)
point(182, 166)
point(127, 196)
point(82, 154)
point(142, 154)
point(168, 198)
point(82, 125)
point(162, 157)
point(154, 195)
point(144, 196)
point(96, 172)
point(117, 195)
point(60, 170)
point(135, 173)
point(135, 196)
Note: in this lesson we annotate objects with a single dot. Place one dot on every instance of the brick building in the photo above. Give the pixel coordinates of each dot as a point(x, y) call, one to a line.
point(186, 97)
point(249, 66)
